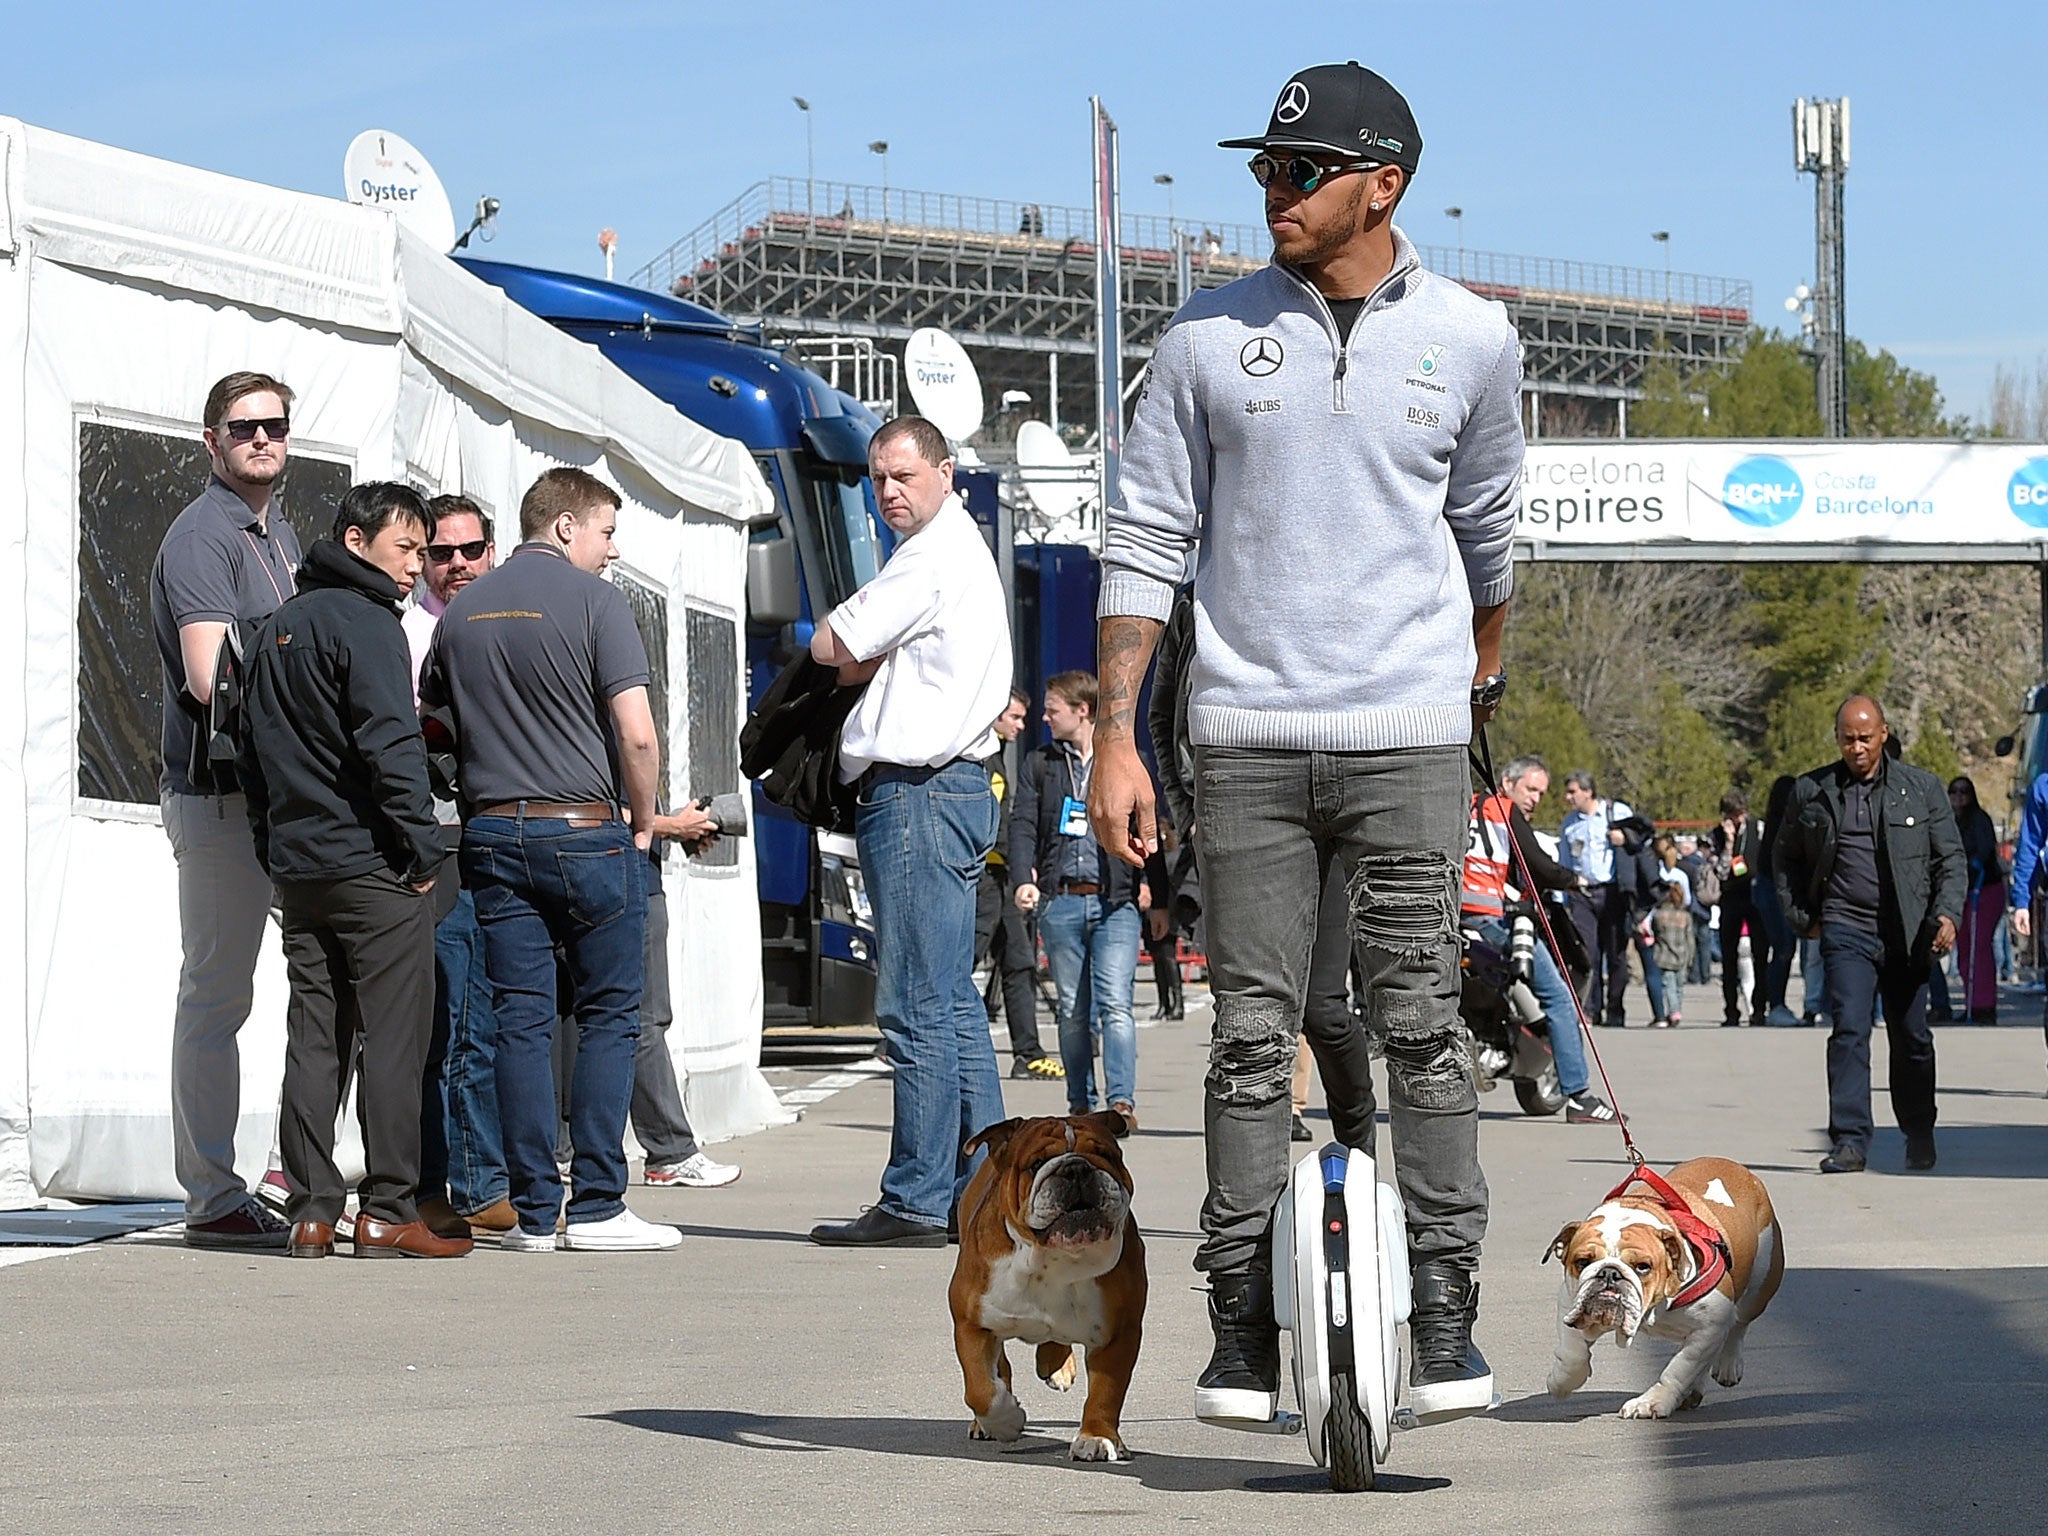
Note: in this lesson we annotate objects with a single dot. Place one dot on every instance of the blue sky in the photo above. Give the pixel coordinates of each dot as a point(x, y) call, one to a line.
point(1562, 131)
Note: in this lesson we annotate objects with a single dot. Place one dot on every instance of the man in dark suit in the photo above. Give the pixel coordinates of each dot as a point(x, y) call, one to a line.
point(1737, 849)
point(1870, 863)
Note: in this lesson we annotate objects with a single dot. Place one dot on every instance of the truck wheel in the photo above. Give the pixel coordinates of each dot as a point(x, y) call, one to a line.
point(1541, 1095)
point(1347, 1439)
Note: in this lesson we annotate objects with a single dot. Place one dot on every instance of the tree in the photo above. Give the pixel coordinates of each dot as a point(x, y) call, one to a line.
point(1817, 644)
point(1681, 775)
point(1888, 399)
point(1536, 717)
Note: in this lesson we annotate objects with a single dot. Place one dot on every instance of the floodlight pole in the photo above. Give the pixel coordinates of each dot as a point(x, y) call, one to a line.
point(810, 162)
point(1820, 148)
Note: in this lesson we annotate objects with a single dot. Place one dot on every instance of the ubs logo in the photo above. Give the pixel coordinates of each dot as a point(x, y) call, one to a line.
point(1261, 357)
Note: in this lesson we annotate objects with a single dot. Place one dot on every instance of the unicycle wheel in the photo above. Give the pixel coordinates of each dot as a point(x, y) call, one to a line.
point(1347, 1439)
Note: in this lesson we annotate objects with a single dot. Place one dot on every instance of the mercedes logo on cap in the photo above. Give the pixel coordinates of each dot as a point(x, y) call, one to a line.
point(1261, 356)
point(1293, 103)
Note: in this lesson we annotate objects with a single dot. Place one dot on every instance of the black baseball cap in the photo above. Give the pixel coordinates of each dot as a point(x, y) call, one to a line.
point(1342, 109)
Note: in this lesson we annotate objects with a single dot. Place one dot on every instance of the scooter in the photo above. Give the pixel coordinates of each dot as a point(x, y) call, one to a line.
point(1341, 1290)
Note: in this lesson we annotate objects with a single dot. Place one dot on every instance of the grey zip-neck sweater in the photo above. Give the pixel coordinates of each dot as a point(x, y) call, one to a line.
point(1352, 499)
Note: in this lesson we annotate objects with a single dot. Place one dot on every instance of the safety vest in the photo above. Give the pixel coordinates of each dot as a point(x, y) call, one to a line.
point(1487, 880)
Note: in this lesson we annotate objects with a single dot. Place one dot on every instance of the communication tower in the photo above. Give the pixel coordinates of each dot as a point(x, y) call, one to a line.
point(1820, 148)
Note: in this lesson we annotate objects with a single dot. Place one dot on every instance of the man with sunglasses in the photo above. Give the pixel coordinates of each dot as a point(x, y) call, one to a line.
point(1339, 437)
point(463, 1183)
point(226, 560)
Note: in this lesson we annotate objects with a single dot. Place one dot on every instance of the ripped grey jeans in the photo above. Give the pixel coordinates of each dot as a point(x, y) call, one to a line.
point(1270, 824)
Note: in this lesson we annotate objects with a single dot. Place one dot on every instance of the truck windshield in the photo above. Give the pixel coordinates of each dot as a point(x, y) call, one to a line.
point(847, 530)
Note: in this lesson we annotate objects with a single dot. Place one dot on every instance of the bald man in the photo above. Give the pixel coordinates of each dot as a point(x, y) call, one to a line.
point(1870, 863)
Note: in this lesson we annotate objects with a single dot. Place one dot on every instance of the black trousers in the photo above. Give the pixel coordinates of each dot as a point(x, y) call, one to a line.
point(1736, 910)
point(1601, 917)
point(1861, 969)
point(1002, 937)
point(1165, 956)
point(359, 954)
point(1342, 1051)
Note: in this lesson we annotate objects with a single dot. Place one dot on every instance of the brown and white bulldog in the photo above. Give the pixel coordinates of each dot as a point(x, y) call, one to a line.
point(1633, 1267)
point(1050, 1254)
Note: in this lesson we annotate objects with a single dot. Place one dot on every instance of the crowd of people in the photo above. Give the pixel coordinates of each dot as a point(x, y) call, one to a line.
point(480, 949)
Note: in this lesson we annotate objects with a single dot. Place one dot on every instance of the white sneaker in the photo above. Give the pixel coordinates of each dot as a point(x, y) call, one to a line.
point(519, 1240)
point(623, 1233)
point(697, 1171)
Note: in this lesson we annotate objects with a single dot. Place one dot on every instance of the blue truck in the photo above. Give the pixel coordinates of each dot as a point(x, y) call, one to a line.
point(824, 541)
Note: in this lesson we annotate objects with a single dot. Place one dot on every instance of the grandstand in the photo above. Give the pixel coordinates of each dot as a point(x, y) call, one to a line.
point(817, 261)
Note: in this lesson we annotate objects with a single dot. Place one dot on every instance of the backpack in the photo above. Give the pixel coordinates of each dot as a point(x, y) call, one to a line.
point(1706, 884)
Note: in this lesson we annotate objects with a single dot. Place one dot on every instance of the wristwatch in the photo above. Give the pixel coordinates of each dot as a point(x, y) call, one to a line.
point(1489, 691)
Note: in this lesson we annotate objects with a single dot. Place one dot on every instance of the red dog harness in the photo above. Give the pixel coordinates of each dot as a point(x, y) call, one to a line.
point(1710, 1254)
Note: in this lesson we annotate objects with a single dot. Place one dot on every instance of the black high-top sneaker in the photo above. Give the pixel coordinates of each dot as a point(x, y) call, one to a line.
point(1447, 1376)
point(1241, 1386)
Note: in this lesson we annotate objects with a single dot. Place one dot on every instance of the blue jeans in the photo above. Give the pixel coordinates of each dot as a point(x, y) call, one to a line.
point(1094, 959)
point(540, 883)
point(1814, 973)
point(923, 834)
point(1554, 994)
point(472, 1147)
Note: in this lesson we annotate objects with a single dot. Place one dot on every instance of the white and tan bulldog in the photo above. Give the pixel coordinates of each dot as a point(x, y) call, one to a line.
point(1050, 1254)
point(1697, 1261)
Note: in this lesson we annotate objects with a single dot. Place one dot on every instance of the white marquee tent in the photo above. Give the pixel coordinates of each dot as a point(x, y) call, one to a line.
point(127, 285)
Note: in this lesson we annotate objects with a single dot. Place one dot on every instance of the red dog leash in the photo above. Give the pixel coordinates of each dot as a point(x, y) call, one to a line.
point(1528, 884)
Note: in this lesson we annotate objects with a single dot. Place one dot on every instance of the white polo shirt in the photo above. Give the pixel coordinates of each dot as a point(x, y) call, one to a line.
point(935, 615)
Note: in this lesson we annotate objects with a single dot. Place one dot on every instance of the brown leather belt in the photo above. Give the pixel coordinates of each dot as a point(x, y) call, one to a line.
point(1080, 888)
point(597, 811)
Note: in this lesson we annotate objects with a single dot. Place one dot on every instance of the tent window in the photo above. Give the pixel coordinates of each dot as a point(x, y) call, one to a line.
point(131, 483)
point(712, 648)
point(650, 613)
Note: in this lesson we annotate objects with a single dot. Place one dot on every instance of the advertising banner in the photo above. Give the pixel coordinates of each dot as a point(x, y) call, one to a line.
point(1797, 492)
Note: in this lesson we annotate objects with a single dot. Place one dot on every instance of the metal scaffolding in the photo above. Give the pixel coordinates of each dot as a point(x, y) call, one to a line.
point(1015, 284)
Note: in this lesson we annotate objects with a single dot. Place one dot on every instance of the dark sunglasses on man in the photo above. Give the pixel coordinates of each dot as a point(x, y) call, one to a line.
point(243, 429)
point(441, 554)
point(1303, 172)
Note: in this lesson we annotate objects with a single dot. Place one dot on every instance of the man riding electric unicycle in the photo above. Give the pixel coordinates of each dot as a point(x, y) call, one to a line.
point(1339, 437)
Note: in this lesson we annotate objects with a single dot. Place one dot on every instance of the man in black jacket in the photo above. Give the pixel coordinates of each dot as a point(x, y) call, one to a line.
point(1870, 863)
point(335, 771)
point(1738, 859)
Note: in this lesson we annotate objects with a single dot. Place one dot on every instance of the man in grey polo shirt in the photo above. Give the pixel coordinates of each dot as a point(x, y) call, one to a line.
point(225, 559)
point(544, 672)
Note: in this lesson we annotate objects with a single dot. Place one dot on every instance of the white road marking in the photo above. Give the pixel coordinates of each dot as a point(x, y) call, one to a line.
point(819, 1089)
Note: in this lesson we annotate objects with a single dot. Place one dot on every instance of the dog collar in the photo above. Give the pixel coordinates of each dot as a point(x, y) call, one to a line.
point(1710, 1255)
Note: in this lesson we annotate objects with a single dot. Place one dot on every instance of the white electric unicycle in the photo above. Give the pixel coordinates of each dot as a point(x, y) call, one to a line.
point(1341, 1289)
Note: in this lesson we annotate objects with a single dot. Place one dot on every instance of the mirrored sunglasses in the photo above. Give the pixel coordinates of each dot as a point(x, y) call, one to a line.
point(1303, 172)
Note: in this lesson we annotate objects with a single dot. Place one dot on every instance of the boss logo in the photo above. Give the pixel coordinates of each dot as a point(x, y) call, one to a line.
point(1422, 416)
point(1260, 407)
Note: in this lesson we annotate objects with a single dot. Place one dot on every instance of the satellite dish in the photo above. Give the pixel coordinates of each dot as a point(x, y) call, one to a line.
point(943, 383)
point(381, 170)
point(1052, 479)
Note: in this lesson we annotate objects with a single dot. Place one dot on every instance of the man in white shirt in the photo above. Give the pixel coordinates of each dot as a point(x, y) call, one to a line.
point(1586, 845)
point(931, 639)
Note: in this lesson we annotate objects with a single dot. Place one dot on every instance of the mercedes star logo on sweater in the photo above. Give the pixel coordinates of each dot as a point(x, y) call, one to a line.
point(1261, 356)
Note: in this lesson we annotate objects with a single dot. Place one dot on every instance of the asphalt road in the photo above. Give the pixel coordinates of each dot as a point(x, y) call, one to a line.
point(752, 1382)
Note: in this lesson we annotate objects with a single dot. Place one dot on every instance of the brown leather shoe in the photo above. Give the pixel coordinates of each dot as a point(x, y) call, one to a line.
point(496, 1217)
point(441, 1218)
point(311, 1240)
point(1125, 1108)
point(390, 1240)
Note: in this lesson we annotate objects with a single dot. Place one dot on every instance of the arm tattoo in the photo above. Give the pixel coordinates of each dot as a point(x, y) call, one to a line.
point(1124, 647)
